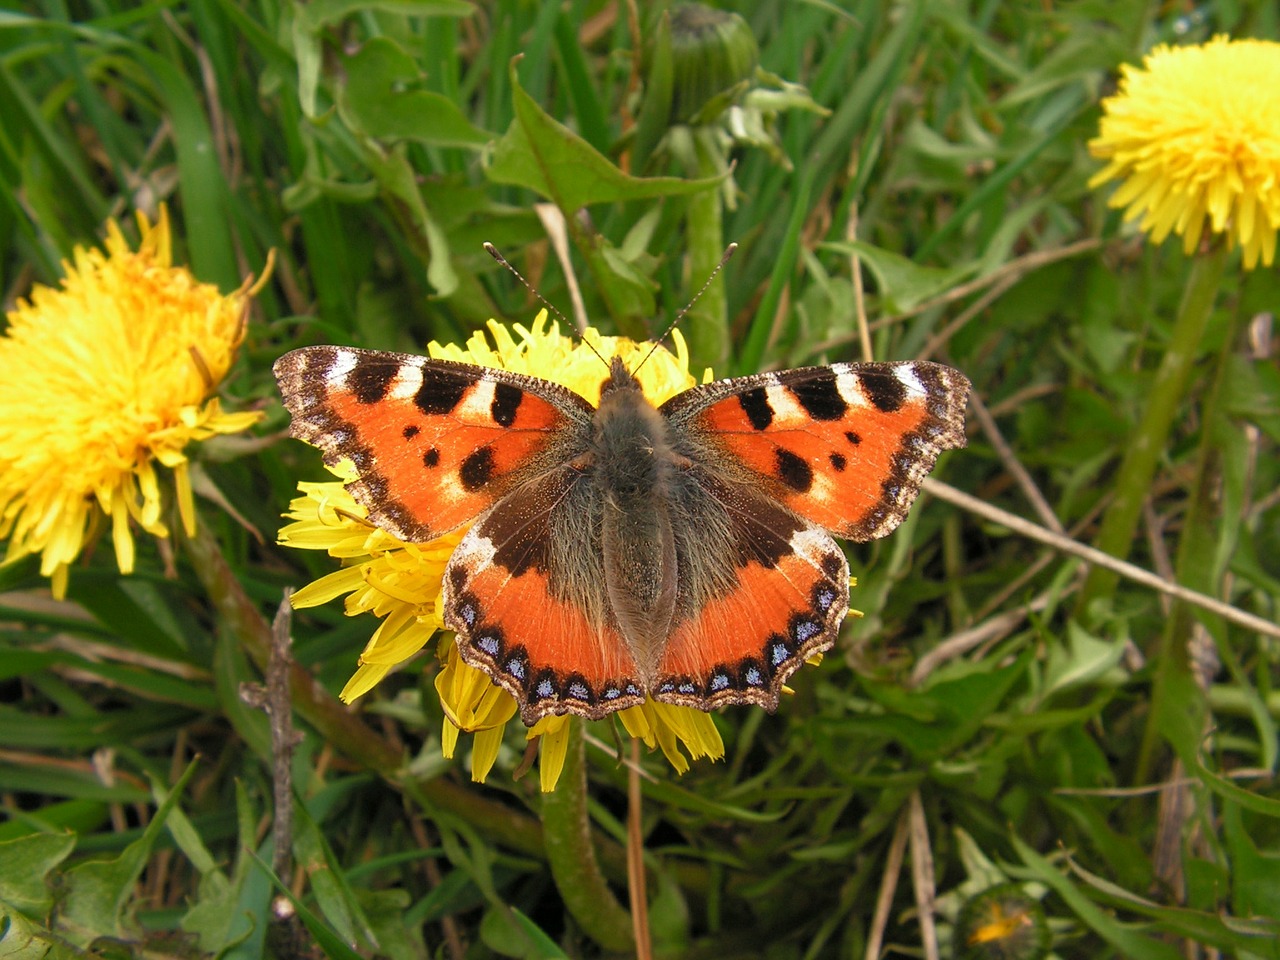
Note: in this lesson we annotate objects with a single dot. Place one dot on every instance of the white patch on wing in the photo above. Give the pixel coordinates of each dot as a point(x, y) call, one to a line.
point(478, 401)
point(407, 382)
point(814, 544)
point(344, 362)
point(906, 375)
point(784, 404)
point(850, 387)
point(473, 553)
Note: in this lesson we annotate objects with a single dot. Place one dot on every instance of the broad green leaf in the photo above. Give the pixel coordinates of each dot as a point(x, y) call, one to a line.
point(99, 892)
point(20, 938)
point(543, 155)
point(1255, 874)
point(335, 899)
point(933, 722)
point(232, 921)
point(1085, 660)
point(25, 864)
point(379, 100)
point(507, 931)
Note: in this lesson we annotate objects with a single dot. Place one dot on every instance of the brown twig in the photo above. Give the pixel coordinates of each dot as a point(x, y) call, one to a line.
point(922, 875)
point(888, 883)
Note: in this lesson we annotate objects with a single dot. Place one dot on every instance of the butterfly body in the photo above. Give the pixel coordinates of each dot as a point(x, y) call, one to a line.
point(681, 553)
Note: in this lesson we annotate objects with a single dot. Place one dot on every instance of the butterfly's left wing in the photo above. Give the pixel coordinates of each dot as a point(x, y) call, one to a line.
point(790, 456)
point(785, 596)
point(845, 446)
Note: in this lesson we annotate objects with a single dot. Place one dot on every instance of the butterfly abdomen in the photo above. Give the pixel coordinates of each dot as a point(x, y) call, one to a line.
point(634, 468)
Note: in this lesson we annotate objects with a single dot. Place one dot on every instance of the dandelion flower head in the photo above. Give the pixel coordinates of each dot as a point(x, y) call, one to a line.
point(1194, 135)
point(104, 377)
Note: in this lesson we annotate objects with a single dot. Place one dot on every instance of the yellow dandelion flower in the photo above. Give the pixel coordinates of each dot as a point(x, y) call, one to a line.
point(400, 582)
point(104, 377)
point(1194, 135)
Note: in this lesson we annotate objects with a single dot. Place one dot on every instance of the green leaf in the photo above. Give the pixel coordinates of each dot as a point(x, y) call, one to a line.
point(205, 197)
point(230, 916)
point(1084, 661)
point(655, 108)
point(379, 101)
point(902, 283)
point(98, 892)
point(25, 864)
point(935, 721)
point(1235, 793)
point(20, 939)
point(322, 13)
point(543, 155)
point(1254, 874)
point(1127, 941)
point(507, 931)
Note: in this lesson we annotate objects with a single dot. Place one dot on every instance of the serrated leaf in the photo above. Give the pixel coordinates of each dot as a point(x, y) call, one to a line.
point(24, 865)
point(99, 892)
point(379, 101)
point(543, 155)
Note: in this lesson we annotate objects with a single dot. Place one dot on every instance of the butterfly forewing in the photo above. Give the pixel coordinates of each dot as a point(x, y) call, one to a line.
point(435, 442)
point(845, 446)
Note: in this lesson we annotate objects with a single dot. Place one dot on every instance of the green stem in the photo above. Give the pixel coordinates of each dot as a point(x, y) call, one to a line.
point(572, 856)
point(1179, 705)
point(707, 324)
point(1164, 400)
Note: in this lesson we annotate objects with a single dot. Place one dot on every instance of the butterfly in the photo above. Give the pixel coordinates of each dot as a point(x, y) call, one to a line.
point(624, 551)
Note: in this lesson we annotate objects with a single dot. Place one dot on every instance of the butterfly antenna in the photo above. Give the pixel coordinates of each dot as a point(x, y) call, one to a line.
point(492, 251)
point(728, 252)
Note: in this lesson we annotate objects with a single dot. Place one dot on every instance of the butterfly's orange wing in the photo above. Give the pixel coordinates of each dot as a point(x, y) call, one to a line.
point(435, 442)
point(784, 600)
point(548, 641)
point(845, 446)
point(794, 455)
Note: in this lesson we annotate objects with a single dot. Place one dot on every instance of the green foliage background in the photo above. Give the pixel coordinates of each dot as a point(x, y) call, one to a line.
point(374, 146)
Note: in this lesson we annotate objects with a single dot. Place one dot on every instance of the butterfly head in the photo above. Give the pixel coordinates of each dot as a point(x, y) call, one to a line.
point(620, 378)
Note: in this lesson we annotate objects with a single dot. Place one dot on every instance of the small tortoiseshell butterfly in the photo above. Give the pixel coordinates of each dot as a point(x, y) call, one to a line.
point(625, 551)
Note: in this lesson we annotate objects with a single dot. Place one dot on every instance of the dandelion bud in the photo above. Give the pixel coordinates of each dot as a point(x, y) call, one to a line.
point(1002, 923)
point(712, 53)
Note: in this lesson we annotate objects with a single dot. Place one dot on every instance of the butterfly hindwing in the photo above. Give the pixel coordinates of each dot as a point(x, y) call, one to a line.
point(435, 442)
point(845, 446)
point(787, 597)
point(523, 621)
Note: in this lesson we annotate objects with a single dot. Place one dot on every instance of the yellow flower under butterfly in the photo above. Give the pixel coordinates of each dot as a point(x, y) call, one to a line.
point(103, 378)
point(1194, 136)
point(401, 582)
